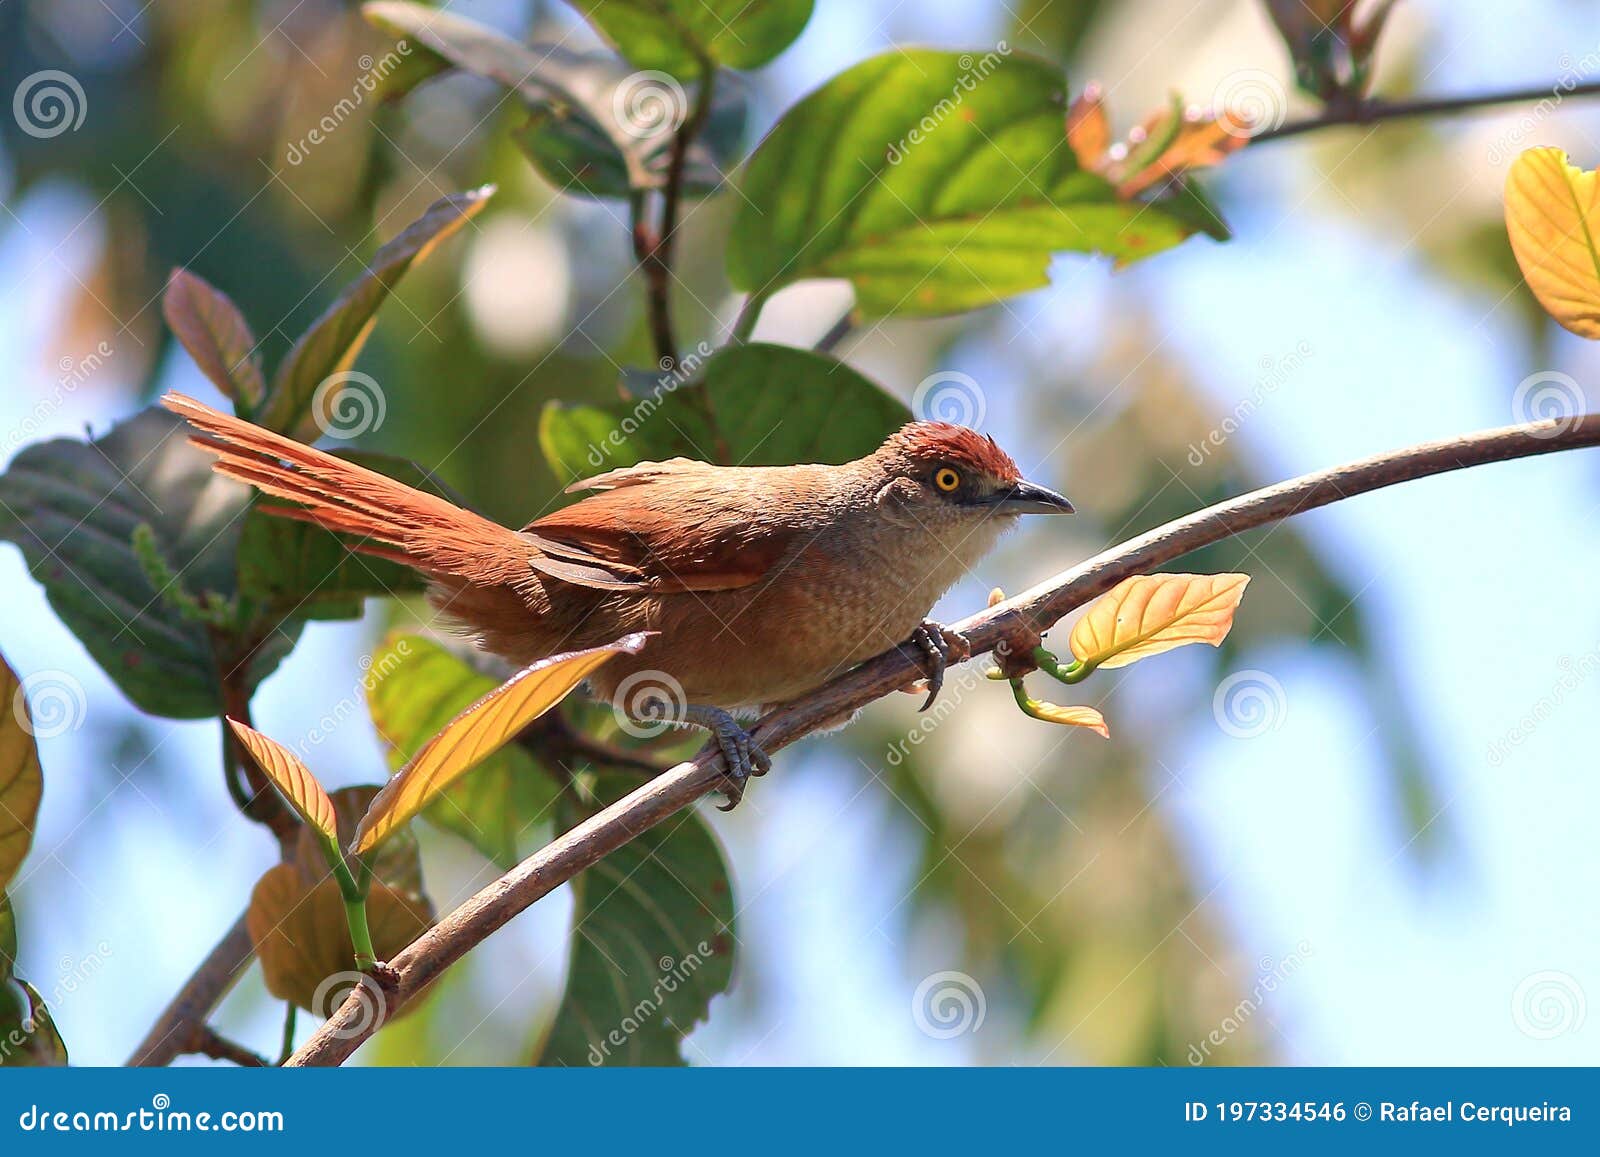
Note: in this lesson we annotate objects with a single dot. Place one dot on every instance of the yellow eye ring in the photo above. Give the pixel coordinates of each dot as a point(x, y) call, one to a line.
point(946, 479)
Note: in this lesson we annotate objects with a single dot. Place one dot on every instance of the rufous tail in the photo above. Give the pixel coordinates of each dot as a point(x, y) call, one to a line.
point(394, 520)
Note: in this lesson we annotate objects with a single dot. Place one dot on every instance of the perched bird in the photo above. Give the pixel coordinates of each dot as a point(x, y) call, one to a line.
point(760, 583)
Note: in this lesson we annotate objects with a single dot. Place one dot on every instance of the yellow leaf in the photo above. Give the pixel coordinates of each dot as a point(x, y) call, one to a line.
point(479, 732)
point(20, 782)
point(1070, 716)
point(1552, 218)
point(301, 935)
point(1148, 614)
point(291, 777)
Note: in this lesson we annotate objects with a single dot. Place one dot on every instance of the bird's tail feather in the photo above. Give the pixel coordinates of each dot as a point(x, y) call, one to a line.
point(397, 521)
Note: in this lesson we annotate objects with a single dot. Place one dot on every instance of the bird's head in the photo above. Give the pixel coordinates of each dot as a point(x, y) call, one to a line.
point(944, 473)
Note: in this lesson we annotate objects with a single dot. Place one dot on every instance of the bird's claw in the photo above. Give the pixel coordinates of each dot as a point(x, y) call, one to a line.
point(739, 752)
point(938, 646)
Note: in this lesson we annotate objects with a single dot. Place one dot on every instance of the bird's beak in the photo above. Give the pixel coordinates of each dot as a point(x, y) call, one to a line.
point(1026, 498)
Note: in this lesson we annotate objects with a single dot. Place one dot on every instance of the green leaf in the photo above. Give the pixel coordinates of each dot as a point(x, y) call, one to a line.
point(301, 571)
point(935, 182)
point(773, 406)
point(414, 687)
point(28, 1036)
point(21, 785)
point(211, 328)
point(331, 344)
point(676, 35)
point(74, 509)
point(652, 943)
point(597, 127)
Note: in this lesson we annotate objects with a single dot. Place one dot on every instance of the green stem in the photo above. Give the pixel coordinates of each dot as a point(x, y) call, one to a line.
point(1069, 673)
point(353, 889)
point(289, 1015)
point(745, 324)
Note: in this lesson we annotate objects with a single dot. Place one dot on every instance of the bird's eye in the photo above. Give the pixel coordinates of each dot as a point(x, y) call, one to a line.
point(946, 479)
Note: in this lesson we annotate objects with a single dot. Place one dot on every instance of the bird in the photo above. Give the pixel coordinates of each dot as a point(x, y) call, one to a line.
point(755, 584)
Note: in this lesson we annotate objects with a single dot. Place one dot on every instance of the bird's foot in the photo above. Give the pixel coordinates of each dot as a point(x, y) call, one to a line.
point(938, 646)
point(739, 752)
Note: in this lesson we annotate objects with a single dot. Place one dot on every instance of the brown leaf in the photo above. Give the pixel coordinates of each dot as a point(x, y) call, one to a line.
point(211, 328)
point(301, 935)
point(1088, 128)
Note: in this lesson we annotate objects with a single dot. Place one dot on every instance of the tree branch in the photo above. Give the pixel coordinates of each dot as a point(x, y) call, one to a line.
point(173, 1031)
point(1028, 614)
point(1367, 112)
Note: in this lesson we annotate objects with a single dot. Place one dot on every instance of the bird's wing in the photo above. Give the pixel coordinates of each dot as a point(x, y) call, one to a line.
point(662, 528)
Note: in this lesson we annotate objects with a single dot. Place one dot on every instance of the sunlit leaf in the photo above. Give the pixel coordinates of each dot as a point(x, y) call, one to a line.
point(935, 182)
point(331, 344)
point(1148, 614)
point(415, 687)
point(478, 732)
point(21, 785)
point(1553, 218)
point(674, 35)
point(290, 776)
point(652, 942)
point(1069, 716)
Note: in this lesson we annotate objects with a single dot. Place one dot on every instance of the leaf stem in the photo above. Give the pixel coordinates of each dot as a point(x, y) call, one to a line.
point(1075, 671)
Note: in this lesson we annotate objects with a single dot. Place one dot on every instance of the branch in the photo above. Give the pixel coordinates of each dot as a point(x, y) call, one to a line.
point(174, 1030)
point(653, 248)
point(1029, 613)
point(1367, 112)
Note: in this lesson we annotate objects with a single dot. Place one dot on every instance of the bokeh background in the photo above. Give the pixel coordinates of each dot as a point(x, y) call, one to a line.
point(1362, 832)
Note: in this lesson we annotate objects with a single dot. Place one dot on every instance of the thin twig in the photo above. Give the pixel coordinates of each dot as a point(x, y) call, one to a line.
point(1368, 112)
point(205, 1041)
point(1026, 615)
point(201, 993)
